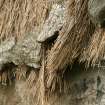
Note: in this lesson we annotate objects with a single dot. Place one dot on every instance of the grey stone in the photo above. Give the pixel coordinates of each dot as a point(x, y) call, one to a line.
point(96, 9)
point(54, 22)
point(25, 51)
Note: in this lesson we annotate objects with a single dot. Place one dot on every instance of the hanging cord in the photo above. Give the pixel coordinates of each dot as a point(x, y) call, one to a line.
point(42, 76)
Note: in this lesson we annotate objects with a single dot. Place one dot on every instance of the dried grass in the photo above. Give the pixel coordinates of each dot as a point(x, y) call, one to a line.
point(21, 16)
point(96, 48)
point(21, 72)
point(73, 38)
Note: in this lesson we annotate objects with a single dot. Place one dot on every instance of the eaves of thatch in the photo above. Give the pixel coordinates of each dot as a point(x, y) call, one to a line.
point(78, 40)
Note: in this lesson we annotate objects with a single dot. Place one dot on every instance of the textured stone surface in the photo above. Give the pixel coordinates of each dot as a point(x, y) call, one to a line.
point(7, 45)
point(5, 49)
point(26, 51)
point(96, 10)
point(54, 22)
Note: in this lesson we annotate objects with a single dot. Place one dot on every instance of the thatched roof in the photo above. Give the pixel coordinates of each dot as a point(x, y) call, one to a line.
point(74, 36)
point(79, 39)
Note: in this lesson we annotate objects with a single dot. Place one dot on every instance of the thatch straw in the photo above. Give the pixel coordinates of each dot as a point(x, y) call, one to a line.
point(73, 37)
point(21, 16)
point(96, 48)
point(72, 43)
point(21, 72)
